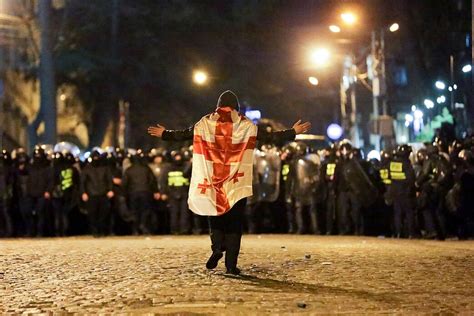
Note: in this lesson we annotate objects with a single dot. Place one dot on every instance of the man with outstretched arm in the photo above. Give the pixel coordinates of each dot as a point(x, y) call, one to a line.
point(223, 144)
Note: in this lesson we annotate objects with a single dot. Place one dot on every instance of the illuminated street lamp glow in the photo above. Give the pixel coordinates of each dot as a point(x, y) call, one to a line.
point(428, 103)
point(440, 85)
point(334, 131)
point(455, 86)
point(320, 57)
point(413, 108)
point(349, 18)
point(313, 80)
point(200, 77)
point(334, 28)
point(466, 68)
point(450, 88)
point(394, 27)
point(418, 114)
point(441, 99)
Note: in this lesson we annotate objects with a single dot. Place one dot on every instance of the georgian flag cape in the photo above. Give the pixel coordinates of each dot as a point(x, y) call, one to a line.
point(223, 147)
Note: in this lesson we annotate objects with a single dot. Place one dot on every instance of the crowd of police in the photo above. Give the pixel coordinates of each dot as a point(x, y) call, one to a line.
point(404, 194)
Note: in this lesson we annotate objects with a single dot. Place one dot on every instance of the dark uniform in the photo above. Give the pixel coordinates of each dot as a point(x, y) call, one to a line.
point(303, 179)
point(33, 186)
point(348, 204)
point(160, 167)
point(328, 187)
point(402, 192)
point(65, 195)
point(177, 191)
point(434, 182)
point(6, 181)
point(96, 182)
point(120, 217)
point(139, 185)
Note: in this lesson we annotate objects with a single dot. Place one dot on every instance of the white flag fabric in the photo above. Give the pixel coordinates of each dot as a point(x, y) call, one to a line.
point(223, 147)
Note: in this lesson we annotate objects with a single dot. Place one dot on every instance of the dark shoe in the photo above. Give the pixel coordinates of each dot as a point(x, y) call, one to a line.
point(213, 260)
point(234, 271)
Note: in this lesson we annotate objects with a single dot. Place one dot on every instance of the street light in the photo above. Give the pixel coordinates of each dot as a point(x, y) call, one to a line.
point(349, 18)
point(334, 28)
point(313, 80)
point(394, 27)
point(441, 99)
point(428, 103)
point(320, 57)
point(466, 68)
point(200, 77)
point(440, 85)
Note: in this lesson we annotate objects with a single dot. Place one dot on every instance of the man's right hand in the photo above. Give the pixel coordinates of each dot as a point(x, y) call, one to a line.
point(85, 197)
point(301, 128)
point(156, 131)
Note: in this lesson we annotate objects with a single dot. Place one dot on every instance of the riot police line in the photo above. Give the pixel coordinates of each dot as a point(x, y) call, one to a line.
point(425, 193)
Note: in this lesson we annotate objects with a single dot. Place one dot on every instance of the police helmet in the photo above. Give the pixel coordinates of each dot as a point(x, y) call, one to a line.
point(385, 155)
point(5, 156)
point(404, 151)
point(467, 156)
point(301, 149)
point(345, 148)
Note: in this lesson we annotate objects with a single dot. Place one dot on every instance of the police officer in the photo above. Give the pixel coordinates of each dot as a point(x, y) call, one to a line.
point(434, 182)
point(97, 190)
point(287, 156)
point(120, 216)
point(160, 166)
point(139, 185)
point(177, 192)
point(303, 178)
point(402, 190)
point(328, 186)
point(348, 205)
point(466, 196)
point(66, 183)
point(33, 184)
point(6, 182)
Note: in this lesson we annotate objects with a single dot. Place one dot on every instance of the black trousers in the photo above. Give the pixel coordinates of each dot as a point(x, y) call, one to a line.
point(29, 206)
point(226, 233)
point(98, 208)
point(141, 205)
point(404, 215)
point(180, 216)
point(6, 228)
point(348, 214)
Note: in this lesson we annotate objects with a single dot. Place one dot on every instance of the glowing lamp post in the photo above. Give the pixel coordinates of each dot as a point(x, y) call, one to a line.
point(200, 77)
point(334, 131)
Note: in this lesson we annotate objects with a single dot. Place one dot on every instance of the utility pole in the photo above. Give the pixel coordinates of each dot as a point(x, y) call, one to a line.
point(46, 74)
point(451, 83)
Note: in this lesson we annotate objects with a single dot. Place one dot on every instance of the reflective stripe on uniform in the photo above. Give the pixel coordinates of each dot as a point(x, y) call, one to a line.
point(330, 169)
point(176, 179)
point(285, 170)
point(385, 176)
point(396, 171)
point(66, 179)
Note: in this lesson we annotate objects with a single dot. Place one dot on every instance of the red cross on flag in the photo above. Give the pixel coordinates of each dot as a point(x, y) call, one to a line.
point(222, 162)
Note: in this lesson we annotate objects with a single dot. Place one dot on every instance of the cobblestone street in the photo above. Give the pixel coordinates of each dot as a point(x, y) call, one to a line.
point(281, 274)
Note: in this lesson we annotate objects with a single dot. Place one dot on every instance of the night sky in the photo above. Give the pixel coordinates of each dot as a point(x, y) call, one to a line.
point(259, 49)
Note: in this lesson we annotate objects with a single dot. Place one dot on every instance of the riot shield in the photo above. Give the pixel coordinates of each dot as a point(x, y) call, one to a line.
point(306, 173)
point(267, 166)
point(359, 182)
